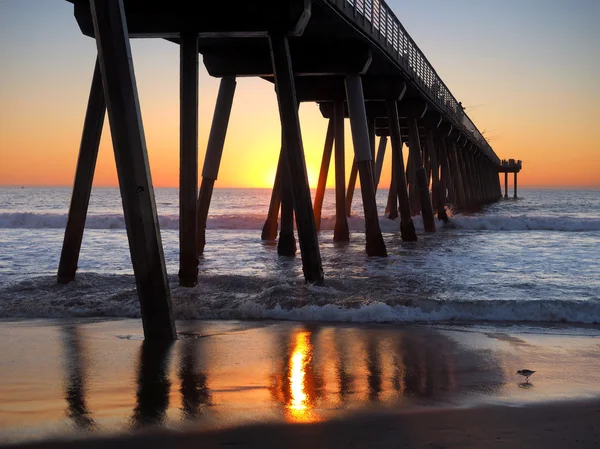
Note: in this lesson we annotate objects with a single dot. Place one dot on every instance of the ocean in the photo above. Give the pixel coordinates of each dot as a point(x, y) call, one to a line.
point(531, 260)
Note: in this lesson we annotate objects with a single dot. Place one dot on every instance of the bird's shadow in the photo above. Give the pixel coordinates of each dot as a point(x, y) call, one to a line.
point(526, 385)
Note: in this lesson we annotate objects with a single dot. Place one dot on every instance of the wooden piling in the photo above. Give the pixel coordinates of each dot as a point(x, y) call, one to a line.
point(292, 136)
point(269, 230)
point(212, 160)
point(341, 232)
point(371, 129)
point(407, 227)
point(379, 160)
point(446, 172)
point(439, 197)
point(322, 184)
point(391, 208)
point(466, 180)
point(362, 153)
point(413, 192)
point(118, 80)
point(188, 158)
point(456, 175)
point(515, 185)
point(286, 245)
point(505, 184)
point(351, 186)
point(84, 176)
point(421, 175)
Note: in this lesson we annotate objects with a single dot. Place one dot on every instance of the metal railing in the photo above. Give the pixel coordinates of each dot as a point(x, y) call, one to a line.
point(376, 19)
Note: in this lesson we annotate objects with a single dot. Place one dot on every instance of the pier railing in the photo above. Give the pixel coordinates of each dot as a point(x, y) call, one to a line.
point(376, 19)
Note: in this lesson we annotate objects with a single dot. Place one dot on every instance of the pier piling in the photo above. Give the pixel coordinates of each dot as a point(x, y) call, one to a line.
point(407, 227)
point(362, 153)
point(188, 158)
point(436, 187)
point(286, 245)
point(323, 172)
point(351, 187)
point(341, 232)
point(129, 143)
point(379, 160)
point(212, 159)
point(292, 136)
point(84, 176)
point(421, 176)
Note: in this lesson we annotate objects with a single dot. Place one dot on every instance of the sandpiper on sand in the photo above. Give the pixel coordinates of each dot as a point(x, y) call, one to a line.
point(525, 372)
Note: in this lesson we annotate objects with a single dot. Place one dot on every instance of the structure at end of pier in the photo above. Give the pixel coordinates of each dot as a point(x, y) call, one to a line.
point(510, 166)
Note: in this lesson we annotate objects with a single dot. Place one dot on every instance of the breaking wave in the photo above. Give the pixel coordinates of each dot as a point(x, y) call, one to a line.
point(26, 220)
point(247, 297)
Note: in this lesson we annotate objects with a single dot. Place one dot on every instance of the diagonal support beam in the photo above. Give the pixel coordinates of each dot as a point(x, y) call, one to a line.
point(407, 227)
point(292, 136)
point(84, 176)
point(133, 169)
point(212, 160)
point(363, 156)
point(322, 184)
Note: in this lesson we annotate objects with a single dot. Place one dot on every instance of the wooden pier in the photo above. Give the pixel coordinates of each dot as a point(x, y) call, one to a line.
point(352, 57)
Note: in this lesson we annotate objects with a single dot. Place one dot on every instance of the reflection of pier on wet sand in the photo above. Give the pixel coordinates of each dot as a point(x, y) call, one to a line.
point(234, 373)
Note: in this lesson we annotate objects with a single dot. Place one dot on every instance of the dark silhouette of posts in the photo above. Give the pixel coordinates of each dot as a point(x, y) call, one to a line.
point(322, 183)
point(505, 184)
point(456, 175)
point(341, 232)
point(188, 158)
point(407, 227)
point(391, 208)
point(351, 186)
point(362, 154)
point(466, 182)
point(84, 176)
point(212, 160)
point(413, 192)
point(421, 175)
point(447, 179)
point(379, 160)
point(439, 196)
point(288, 111)
point(515, 185)
point(118, 80)
point(286, 245)
point(269, 231)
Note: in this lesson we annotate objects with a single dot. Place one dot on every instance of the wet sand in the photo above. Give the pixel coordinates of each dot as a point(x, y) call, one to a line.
point(276, 384)
point(548, 426)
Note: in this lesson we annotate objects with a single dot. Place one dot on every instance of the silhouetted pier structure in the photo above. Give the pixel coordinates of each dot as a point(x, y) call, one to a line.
point(353, 57)
point(510, 166)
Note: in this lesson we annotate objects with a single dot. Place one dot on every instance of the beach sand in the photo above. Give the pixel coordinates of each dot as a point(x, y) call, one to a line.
point(290, 384)
point(547, 426)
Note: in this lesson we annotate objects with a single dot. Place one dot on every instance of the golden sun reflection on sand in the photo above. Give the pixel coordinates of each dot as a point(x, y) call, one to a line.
point(299, 405)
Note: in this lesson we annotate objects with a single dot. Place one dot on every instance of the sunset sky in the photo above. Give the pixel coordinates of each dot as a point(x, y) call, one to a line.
point(526, 70)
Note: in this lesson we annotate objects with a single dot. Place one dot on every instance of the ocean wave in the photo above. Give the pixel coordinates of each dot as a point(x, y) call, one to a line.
point(526, 223)
point(27, 220)
point(247, 297)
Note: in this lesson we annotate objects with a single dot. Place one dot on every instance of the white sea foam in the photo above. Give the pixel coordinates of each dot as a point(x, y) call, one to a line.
point(26, 220)
point(221, 297)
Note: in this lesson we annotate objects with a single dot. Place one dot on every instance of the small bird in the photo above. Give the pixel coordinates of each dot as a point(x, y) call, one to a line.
point(526, 373)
